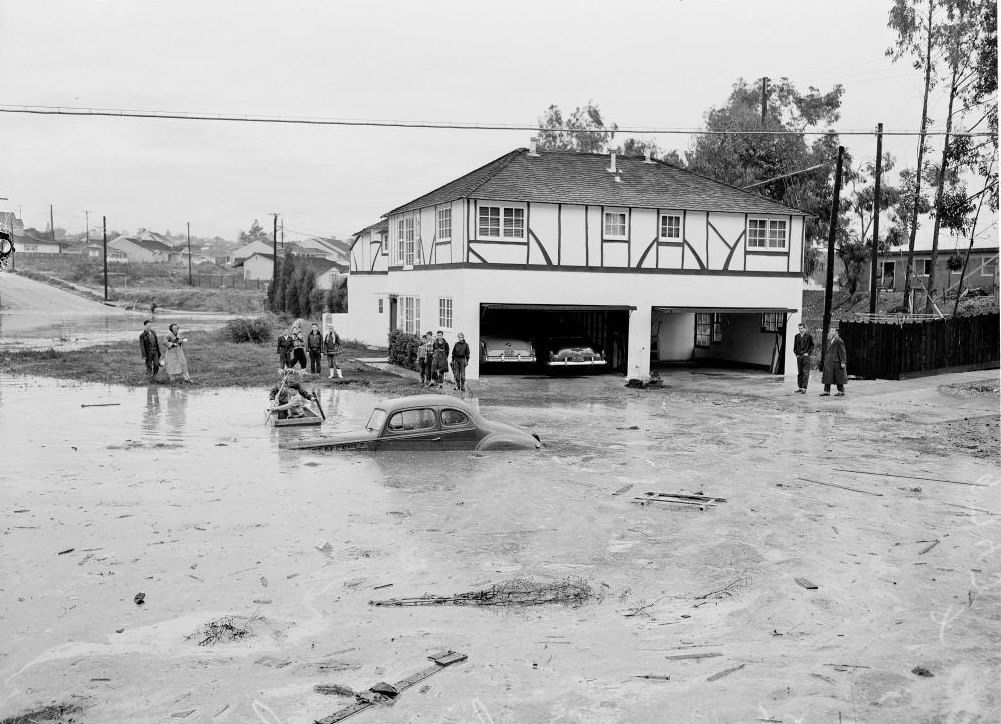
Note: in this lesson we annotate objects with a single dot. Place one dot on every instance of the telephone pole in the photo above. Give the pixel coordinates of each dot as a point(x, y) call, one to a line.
point(764, 99)
point(86, 215)
point(104, 226)
point(875, 219)
point(829, 286)
point(189, 255)
point(52, 224)
point(274, 242)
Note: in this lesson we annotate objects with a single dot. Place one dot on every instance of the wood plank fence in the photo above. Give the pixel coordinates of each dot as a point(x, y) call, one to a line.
point(896, 350)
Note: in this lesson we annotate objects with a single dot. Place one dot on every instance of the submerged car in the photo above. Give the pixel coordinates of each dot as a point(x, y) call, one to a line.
point(574, 352)
point(426, 422)
point(495, 348)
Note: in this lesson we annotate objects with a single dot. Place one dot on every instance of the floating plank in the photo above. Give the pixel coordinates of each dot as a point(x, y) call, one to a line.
point(694, 656)
point(725, 672)
point(806, 584)
point(654, 677)
point(686, 496)
point(371, 697)
point(105, 404)
point(625, 488)
point(928, 547)
point(911, 477)
point(843, 487)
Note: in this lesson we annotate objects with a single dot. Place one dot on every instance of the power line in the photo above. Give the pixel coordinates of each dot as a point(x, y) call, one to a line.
point(442, 125)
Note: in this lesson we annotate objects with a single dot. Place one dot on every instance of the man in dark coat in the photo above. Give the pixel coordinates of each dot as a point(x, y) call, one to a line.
point(802, 347)
point(150, 346)
point(439, 359)
point(314, 343)
point(835, 365)
point(285, 349)
point(460, 358)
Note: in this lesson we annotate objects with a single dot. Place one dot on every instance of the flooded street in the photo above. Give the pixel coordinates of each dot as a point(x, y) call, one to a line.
point(185, 496)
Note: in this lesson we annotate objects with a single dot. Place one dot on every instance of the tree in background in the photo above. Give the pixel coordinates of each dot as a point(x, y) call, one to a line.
point(256, 233)
point(306, 287)
point(639, 147)
point(583, 131)
point(854, 241)
point(742, 159)
point(290, 301)
point(337, 297)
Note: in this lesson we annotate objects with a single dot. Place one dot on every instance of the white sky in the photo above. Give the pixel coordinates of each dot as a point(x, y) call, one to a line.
point(660, 63)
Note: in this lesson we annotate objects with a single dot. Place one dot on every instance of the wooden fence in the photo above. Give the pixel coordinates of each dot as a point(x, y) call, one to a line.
point(895, 350)
point(229, 281)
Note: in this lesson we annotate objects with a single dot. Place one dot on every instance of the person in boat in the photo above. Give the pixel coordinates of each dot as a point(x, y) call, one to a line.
point(289, 399)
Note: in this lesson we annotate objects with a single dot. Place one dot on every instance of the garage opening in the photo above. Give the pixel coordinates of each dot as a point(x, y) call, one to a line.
point(547, 328)
point(719, 337)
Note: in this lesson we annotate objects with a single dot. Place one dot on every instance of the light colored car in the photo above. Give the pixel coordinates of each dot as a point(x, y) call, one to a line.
point(425, 422)
point(573, 352)
point(506, 349)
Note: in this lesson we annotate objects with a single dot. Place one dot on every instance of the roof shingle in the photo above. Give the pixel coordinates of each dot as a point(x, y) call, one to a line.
point(564, 177)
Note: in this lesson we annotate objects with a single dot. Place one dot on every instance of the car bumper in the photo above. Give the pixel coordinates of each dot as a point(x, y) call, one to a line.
point(510, 358)
point(568, 363)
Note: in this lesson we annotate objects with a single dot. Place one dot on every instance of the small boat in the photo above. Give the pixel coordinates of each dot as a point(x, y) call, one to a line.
point(310, 418)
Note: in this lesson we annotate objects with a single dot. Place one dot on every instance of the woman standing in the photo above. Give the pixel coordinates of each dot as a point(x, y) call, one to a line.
point(298, 346)
point(176, 363)
point(332, 348)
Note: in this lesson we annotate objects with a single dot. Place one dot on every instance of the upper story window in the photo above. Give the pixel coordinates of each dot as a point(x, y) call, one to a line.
point(444, 229)
point(615, 226)
point(408, 231)
point(670, 226)
point(399, 240)
point(766, 234)
point(501, 222)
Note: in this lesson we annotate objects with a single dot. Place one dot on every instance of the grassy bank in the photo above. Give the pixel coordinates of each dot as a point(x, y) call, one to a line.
point(193, 299)
point(212, 362)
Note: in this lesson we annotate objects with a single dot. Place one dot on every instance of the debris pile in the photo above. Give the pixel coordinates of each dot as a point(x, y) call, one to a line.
point(571, 591)
point(225, 629)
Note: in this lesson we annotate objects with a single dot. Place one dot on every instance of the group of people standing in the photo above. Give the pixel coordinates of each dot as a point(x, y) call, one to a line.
point(835, 370)
point(432, 360)
point(293, 346)
point(175, 363)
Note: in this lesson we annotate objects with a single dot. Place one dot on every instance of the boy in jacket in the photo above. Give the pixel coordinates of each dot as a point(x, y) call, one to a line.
point(284, 349)
point(314, 344)
point(424, 358)
point(460, 358)
point(802, 347)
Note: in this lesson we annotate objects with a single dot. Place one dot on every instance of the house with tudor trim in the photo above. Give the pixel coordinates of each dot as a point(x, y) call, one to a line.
point(654, 263)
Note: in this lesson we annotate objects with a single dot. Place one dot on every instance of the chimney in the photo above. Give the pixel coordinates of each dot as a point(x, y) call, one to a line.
point(612, 169)
point(533, 149)
point(649, 156)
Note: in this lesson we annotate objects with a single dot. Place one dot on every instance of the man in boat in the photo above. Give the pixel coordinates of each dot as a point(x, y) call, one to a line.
point(289, 399)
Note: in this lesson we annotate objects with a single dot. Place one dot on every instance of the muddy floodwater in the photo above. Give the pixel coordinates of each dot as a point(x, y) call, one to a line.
point(258, 564)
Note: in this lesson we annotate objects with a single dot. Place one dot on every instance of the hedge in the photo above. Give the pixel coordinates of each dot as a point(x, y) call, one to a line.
point(403, 349)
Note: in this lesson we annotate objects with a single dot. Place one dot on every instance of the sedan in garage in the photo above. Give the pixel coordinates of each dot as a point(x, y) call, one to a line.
point(496, 348)
point(423, 423)
point(573, 352)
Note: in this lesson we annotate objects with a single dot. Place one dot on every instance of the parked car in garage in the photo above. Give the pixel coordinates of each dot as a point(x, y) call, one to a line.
point(425, 422)
point(496, 348)
point(573, 352)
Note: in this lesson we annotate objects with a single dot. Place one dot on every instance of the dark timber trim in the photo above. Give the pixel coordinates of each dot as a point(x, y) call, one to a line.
point(545, 255)
point(599, 270)
point(652, 245)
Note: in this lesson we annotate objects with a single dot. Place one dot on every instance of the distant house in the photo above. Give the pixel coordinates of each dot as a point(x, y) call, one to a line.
point(256, 266)
point(248, 250)
point(891, 270)
point(328, 273)
point(260, 266)
point(28, 243)
point(96, 251)
point(318, 246)
point(141, 250)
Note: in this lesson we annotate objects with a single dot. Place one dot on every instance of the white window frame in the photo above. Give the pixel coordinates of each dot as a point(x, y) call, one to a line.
point(399, 240)
point(766, 232)
point(989, 267)
point(445, 313)
point(443, 224)
point(409, 237)
point(663, 226)
point(411, 307)
point(380, 305)
point(505, 229)
point(605, 234)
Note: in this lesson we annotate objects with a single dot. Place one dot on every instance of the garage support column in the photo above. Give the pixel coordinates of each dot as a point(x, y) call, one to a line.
point(638, 354)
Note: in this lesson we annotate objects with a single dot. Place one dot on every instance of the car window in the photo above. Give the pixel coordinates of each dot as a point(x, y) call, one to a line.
point(375, 421)
point(451, 418)
point(411, 420)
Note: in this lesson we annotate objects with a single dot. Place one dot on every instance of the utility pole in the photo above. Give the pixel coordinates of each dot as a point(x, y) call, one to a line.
point(875, 219)
point(274, 241)
point(283, 235)
point(104, 225)
point(829, 286)
point(86, 214)
point(764, 99)
point(189, 255)
point(52, 224)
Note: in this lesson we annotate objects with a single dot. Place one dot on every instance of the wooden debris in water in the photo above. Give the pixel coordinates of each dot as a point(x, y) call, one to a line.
point(571, 591)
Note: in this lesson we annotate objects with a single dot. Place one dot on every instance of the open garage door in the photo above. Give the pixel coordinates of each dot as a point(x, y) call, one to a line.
point(605, 327)
point(753, 337)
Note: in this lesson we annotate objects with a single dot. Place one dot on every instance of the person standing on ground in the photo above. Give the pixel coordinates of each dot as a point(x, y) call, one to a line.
point(298, 346)
point(802, 347)
point(424, 358)
point(150, 346)
point(460, 358)
point(332, 348)
point(314, 343)
point(439, 359)
point(177, 363)
point(835, 365)
point(284, 349)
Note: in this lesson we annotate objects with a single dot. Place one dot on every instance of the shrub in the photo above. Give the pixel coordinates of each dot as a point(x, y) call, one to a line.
point(244, 329)
point(403, 349)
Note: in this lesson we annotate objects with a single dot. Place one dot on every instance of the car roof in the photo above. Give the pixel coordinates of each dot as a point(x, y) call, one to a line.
point(398, 403)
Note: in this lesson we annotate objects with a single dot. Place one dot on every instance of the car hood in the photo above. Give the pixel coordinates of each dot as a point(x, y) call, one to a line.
point(337, 440)
point(499, 344)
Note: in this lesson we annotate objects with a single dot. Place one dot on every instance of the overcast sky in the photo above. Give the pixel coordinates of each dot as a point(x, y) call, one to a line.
point(656, 64)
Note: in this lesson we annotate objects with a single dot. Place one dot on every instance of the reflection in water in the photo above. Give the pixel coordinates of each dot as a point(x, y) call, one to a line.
point(151, 415)
point(177, 402)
